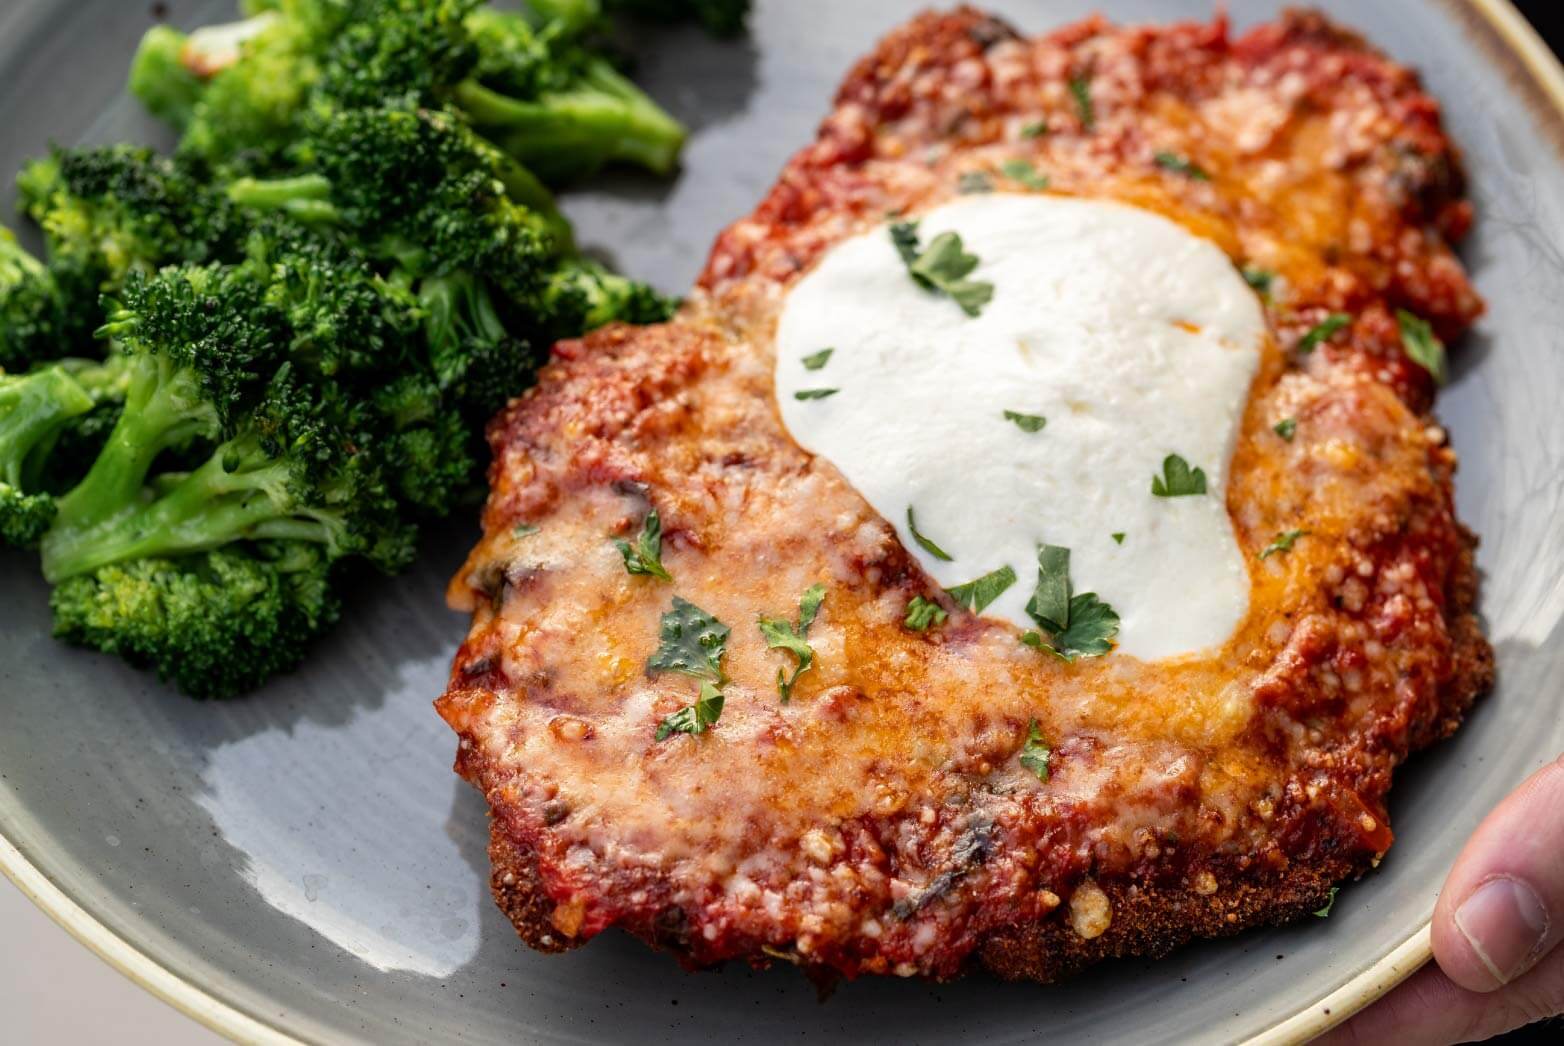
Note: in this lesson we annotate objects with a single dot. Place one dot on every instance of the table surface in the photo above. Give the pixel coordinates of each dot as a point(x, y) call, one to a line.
point(57, 992)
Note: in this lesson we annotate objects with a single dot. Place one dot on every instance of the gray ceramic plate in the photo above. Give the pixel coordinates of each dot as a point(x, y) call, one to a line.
point(304, 863)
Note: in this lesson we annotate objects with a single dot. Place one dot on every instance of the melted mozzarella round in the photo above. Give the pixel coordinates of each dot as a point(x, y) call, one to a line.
point(1134, 338)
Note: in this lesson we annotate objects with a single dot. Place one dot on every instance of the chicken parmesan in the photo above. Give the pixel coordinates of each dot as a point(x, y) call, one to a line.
point(1031, 542)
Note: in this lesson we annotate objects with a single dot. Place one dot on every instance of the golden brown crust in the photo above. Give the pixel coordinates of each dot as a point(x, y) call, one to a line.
point(880, 822)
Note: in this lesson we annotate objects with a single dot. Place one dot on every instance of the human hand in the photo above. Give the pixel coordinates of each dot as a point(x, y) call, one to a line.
point(1497, 930)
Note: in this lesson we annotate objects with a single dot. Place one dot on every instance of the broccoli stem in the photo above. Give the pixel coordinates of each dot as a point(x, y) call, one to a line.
point(238, 493)
point(306, 197)
point(160, 79)
point(164, 408)
point(563, 134)
point(33, 407)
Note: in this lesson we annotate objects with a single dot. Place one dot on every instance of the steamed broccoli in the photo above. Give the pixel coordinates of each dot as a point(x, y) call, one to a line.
point(40, 306)
point(559, 108)
point(34, 409)
point(215, 624)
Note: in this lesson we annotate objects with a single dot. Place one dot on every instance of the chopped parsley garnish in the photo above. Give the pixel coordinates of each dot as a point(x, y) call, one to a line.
point(816, 360)
point(1081, 91)
point(975, 595)
point(1178, 479)
point(1077, 625)
point(1322, 331)
point(814, 394)
point(1035, 752)
point(1259, 279)
point(524, 530)
point(1324, 913)
point(696, 718)
point(974, 181)
point(1026, 422)
point(646, 555)
point(1118, 537)
point(1035, 129)
point(928, 546)
point(1282, 543)
point(693, 643)
point(1286, 428)
point(1181, 165)
point(1022, 171)
point(1422, 346)
point(921, 613)
point(942, 266)
point(782, 634)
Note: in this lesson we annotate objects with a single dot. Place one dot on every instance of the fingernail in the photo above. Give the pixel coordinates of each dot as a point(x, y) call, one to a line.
point(1505, 922)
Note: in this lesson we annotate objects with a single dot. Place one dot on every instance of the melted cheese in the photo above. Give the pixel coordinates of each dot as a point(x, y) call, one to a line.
point(1135, 340)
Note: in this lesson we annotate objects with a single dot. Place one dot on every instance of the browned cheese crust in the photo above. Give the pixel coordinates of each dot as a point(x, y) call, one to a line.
point(880, 822)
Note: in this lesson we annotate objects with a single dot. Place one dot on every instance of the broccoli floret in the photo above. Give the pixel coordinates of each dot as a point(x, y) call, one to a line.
point(719, 17)
point(34, 408)
point(397, 50)
point(557, 107)
point(431, 448)
point(216, 623)
point(117, 209)
point(159, 77)
point(295, 456)
point(38, 320)
point(583, 295)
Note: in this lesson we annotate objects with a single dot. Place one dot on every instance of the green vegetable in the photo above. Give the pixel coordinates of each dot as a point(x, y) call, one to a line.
point(1022, 171)
point(1286, 428)
point(34, 409)
point(1330, 903)
point(1118, 537)
point(1322, 331)
point(781, 634)
point(975, 595)
point(692, 643)
point(928, 546)
point(1035, 129)
point(1259, 279)
point(1035, 752)
point(816, 360)
point(974, 182)
point(646, 556)
point(1181, 165)
point(1178, 479)
point(923, 613)
point(1077, 625)
point(815, 394)
point(696, 718)
point(1026, 422)
point(1283, 542)
point(1422, 346)
point(1081, 91)
point(942, 266)
point(524, 530)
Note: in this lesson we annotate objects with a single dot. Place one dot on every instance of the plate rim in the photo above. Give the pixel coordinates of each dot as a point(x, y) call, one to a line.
point(1520, 41)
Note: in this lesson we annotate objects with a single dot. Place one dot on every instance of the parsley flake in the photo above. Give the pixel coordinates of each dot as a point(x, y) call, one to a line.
point(816, 360)
point(922, 613)
point(782, 634)
point(1322, 331)
point(693, 643)
point(1178, 479)
point(928, 546)
point(1035, 129)
point(1181, 165)
point(1283, 542)
point(1026, 422)
point(1422, 346)
point(696, 718)
point(1081, 91)
point(1079, 625)
point(524, 530)
point(975, 595)
point(1022, 171)
point(1324, 913)
point(1286, 428)
point(974, 182)
point(1259, 279)
point(942, 266)
point(814, 394)
point(1118, 537)
point(1035, 752)
point(646, 555)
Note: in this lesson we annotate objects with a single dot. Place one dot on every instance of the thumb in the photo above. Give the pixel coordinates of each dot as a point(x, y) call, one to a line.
point(1502, 907)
